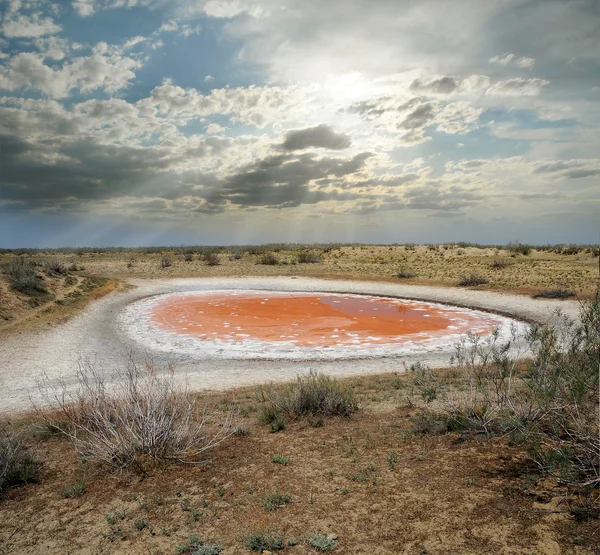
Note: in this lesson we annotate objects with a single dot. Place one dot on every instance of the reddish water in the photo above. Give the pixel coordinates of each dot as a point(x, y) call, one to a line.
point(310, 319)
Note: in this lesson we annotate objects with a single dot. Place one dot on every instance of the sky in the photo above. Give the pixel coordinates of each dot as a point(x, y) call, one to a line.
point(214, 122)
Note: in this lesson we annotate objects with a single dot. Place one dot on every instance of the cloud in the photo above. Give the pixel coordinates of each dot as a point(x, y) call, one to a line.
point(443, 85)
point(34, 25)
point(321, 136)
point(103, 69)
point(526, 63)
point(518, 87)
point(502, 60)
point(84, 8)
point(571, 169)
point(508, 59)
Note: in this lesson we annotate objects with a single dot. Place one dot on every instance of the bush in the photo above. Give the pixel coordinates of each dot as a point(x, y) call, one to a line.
point(276, 499)
point(133, 416)
point(212, 259)
point(405, 273)
point(188, 257)
point(549, 403)
point(554, 294)
point(165, 262)
point(16, 466)
point(322, 542)
point(54, 266)
point(263, 540)
point(310, 395)
point(501, 263)
point(473, 279)
point(308, 258)
point(519, 248)
point(23, 277)
point(195, 546)
point(269, 259)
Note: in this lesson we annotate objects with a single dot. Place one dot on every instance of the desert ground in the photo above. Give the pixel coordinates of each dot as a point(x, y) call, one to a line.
point(374, 481)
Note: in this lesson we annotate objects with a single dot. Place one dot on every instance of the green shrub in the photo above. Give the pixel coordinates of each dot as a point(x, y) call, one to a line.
point(310, 395)
point(23, 277)
point(322, 542)
point(16, 465)
point(551, 406)
point(263, 540)
point(212, 259)
point(269, 259)
point(74, 490)
point(195, 546)
point(276, 499)
point(280, 459)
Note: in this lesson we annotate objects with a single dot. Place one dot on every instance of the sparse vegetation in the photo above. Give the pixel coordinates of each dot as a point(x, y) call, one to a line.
point(130, 417)
point(548, 403)
point(322, 542)
point(280, 459)
point(472, 280)
point(165, 262)
point(16, 465)
point(311, 394)
point(560, 293)
point(501, 263)
point(23, 277)
point(276, 499)
point(212, 259)
point(195, 546)
point(73, 490)
point(263, 540)
point(308, 258)
point(405, 273)
point(269, 259)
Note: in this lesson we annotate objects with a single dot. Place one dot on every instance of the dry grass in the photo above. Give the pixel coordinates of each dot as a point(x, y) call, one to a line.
point(364, 481)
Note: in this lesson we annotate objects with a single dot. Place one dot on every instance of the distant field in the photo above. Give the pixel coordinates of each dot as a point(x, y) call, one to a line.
point(517, 268)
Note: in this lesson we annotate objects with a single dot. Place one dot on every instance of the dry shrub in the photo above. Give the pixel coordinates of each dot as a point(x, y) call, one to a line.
point(308, 258)
point(212, 259)
point(269, 259)
point(472, 280)
point(23, 277)
point(16, 466)
point(132, 416)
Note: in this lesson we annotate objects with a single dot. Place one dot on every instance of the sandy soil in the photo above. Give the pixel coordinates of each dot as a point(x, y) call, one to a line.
point(95, 334)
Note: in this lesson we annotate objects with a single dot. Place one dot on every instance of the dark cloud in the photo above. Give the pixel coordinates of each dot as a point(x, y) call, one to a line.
point(444, 85)
point(573, 169)
point(321, 136)
point(419, 117)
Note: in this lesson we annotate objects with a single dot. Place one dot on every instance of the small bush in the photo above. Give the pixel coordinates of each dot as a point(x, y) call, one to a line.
point(519, 248)
point(188, 257)
point(23, 277)
point(165, 262)
point(269, 259)
point(276, 499)
point(405, 273)
point(310, 395)
point(212, 259)
point(74, 490)
point(54, 266)
point(264, 540)
point(308, 258)
point(322, 542)
point(131, 417)
point(16, 466)
point(501, 263)
point(472, 280)
point(554, 294)
point(280, 459)
point(195, 546)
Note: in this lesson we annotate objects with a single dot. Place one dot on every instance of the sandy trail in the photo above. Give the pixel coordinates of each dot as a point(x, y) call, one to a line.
point(95, 333)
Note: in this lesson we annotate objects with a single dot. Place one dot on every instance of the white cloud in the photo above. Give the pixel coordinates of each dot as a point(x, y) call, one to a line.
point(33, 25)
point(526, 63)
point(84, 8)
point(518, 87)
point(502, 60)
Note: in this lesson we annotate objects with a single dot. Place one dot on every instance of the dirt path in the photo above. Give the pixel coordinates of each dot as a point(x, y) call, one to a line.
point(96, 334)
